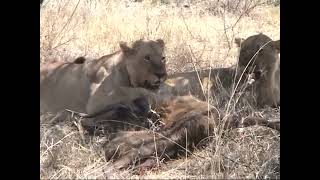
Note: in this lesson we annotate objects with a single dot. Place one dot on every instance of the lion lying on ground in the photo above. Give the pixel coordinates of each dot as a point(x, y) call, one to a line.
point(264, 69)
point(89, 86)
point(180, 117)
point(259, 55)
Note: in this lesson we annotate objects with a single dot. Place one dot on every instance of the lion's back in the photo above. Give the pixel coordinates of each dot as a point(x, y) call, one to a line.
point(63, 85)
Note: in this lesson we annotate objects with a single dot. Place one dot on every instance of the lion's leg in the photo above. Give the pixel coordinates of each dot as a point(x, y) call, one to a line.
point(251, 121)
point(105, 96)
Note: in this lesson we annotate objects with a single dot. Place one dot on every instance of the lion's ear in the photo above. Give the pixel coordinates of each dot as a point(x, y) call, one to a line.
point(125, 48)
point(161, 43)
point(79, 60)
point(276, 45)
point(238, 41)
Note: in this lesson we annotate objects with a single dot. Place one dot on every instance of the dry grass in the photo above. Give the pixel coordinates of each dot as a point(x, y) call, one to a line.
point(201, 34)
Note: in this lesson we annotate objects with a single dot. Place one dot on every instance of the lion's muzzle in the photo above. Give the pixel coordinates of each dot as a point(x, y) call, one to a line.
point(160, 78)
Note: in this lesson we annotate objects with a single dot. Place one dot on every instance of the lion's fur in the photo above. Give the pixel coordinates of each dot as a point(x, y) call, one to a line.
point(259, 55)
point(89, 86)
point(201, 84)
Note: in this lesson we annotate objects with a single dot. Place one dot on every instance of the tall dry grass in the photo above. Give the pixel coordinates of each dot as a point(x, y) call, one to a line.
point(198, 34)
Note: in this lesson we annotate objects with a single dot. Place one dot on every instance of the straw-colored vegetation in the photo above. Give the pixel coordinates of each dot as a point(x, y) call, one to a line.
point(198, 34)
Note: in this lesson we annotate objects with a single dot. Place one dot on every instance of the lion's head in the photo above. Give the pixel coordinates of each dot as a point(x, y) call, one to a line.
point(259, 56)
point(145, 63)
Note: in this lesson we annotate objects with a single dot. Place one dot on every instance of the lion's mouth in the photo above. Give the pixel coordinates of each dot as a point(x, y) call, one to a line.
point(153, 86)
point(256, 74)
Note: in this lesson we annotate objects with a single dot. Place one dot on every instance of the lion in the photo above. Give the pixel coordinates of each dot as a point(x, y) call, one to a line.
point(180, 116)
point(90, 86)
point(260, 56)
point(264, 82)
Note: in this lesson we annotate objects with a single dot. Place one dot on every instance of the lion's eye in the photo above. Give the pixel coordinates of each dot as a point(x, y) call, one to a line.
point(261, 51)
point(163, 59)
point(147, 58)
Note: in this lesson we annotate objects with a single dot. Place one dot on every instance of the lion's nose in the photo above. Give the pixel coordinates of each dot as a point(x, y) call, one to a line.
point(161, 74)
point(258, 74)
point(157, 82)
